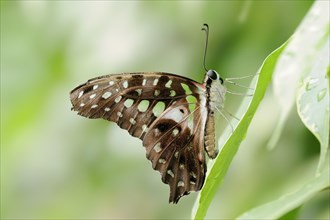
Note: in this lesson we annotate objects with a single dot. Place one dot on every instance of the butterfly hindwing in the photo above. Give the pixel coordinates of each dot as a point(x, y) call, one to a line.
point(164, 111)
point(176, 149)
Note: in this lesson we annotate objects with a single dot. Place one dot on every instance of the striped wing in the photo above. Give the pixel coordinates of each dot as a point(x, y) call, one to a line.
point(167, 112)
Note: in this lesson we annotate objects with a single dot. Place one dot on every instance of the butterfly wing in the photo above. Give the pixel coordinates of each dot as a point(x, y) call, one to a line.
point(167, 112)
point(174, 144)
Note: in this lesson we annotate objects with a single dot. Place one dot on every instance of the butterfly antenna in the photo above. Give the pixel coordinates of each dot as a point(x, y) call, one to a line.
point(206, 29)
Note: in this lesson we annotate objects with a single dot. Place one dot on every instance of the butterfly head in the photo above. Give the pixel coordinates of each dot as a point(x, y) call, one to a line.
point(216, 89)
point(213, 77)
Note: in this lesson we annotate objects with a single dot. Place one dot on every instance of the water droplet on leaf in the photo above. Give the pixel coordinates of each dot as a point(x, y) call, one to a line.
point(312, 83)
point(321, 94)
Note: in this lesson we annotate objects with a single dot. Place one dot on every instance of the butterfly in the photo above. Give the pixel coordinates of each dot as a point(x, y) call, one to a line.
point(174, 116)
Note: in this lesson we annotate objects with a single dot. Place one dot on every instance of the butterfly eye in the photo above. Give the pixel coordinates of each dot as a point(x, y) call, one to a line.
point(212, 75)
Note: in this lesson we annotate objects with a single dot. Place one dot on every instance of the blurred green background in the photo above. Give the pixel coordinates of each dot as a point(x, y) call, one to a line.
point(57, 165)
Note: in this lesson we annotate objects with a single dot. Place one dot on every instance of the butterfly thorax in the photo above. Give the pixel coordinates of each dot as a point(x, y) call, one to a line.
point(215, 91)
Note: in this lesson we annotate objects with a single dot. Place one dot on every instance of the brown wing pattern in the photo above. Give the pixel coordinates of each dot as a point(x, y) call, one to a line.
point(164, 111)
point(176, 149)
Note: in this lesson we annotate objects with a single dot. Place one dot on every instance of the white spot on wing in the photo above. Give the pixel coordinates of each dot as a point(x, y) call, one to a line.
point(139, 91)
point(106, 95)
point(82, 105)
point(168, 84)
point(119, 114)
point(175, 132)
point(157, 92)
point(107, 109)
point(143, 105)
point(128, 103)
point(94, 106)
point(180, 183)
point(155, 82)
point(95, 87)
point(118, 99)
point(157, 147)
point(80, 94)
point(170, 172)
point(111, 83)
point(144, 128)
point(175, 115)
point(158, 109)
point(92, 96)
point(132, 121)
point(125, 84)
point(144, 82)
point(162, 161)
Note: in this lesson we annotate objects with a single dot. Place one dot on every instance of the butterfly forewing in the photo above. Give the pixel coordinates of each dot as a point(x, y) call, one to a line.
point(165, 111)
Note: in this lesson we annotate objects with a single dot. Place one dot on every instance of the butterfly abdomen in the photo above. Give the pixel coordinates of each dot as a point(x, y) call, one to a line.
point(214, 102)
point(209, 142)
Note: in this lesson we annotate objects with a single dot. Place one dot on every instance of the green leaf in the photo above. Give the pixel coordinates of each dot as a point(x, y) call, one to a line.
point(286, 203)
point(297, 61)
point(291, 215)
point(302, 75)
point(220, 166)
point(313, 102)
